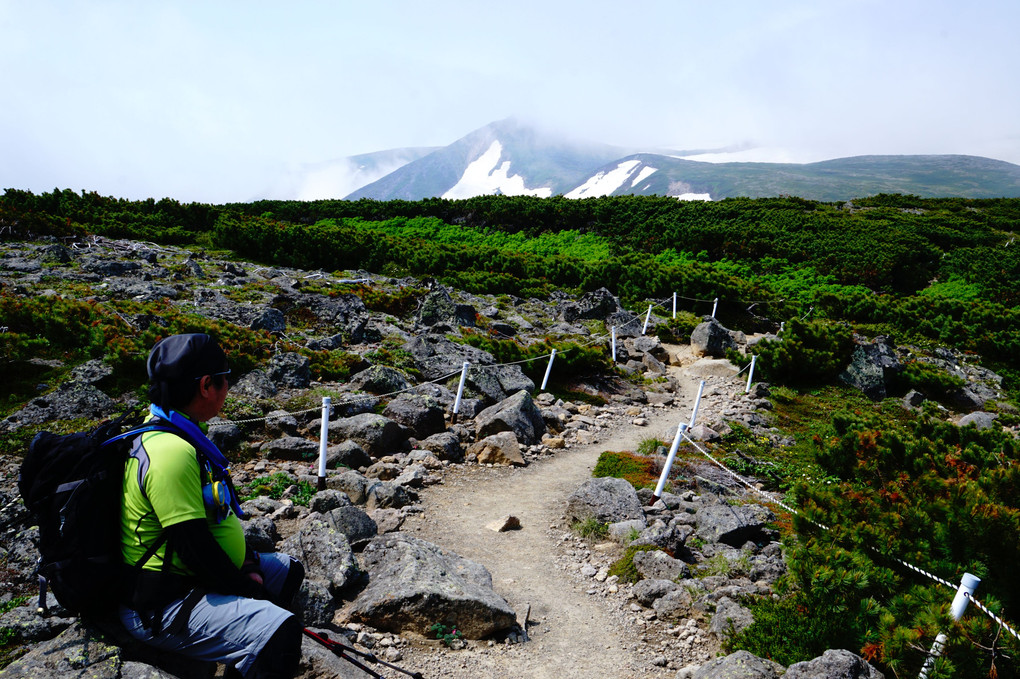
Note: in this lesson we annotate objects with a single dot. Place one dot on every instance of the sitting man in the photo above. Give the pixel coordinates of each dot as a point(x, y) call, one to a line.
point(200, 591)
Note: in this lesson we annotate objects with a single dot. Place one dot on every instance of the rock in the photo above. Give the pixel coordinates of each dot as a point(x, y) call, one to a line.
point(378, 435)
point(354, 523)
point(508, 522)
point(438, 307)
point(594, 305)
point(414, 584)
point(658, 565)
point(675, 604)
point(518, 414)
point(739, 665)
point(606, 499)
point(966, 399)
point(700, 432)
point(27, 626)
point(347, 454)
point(271, 320)
point(980, 420)
point(291, 370)
point(327, 557)
point(711, 339)
point(387, 495)
point(421, 414)
point(732, 525)
point(648, 590)
point(56, 254)
point(345, 315)
point(384, 471)
point(355, 484)
point(255, 385)
point(70, 401)
point(260, 534)
point(729, 618)
point(833, 664)
point(445, 446)
point(290, 448)
point(624, 531)
point(327, 500)
point(501, 448)
point(873, 368)
point(712, 367)
point(92, 372)
point(380, 379)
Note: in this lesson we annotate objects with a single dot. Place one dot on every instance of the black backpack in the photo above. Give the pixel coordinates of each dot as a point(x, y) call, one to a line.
point(72, 484)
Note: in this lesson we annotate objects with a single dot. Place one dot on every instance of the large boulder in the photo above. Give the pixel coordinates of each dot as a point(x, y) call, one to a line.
point(438, 308)
point(423, 415)
point(733, 525)
point(378, 435)
point(291, 370)
point(380, 379)
point(501, 449)
point(345, 315)
point(833, 664)
point(594, 305)
point(606, 499)
point(70, 401)
point(658, 565)
point(710, 338)
point(414, 584)
point(739, 665)
point(354, 523)
point(329, 565)
point(518, 414)
point(873, 368)
point(730, 618)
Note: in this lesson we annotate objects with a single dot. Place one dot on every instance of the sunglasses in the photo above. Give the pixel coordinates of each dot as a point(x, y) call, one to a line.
point(225, 372)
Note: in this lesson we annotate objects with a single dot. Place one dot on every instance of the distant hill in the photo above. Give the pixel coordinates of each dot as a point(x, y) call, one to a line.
point(513, 159)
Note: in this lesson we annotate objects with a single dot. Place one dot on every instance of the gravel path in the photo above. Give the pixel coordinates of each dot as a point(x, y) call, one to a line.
point(575, 629)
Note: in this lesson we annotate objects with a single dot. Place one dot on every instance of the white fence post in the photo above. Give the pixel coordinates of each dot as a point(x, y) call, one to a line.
point(669, 463)
point(967, 586)
point(327, 406)
point(750, 373)
point(548, 369)
point(647, 317)
point(674, 305)
point(460, 391)
point(613, 332)
point(715, 305)
point(697, 404)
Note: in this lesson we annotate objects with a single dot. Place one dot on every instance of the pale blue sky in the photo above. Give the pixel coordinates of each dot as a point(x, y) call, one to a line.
point(216, 101)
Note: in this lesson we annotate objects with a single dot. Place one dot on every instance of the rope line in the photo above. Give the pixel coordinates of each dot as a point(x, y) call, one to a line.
point(1002, 623)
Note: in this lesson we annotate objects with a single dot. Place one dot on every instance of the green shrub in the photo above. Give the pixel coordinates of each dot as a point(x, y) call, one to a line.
point(590, 528)
point(276, 485)
point(807, 352)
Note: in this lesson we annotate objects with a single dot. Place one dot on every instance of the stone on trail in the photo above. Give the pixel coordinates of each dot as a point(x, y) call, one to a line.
point(414, 584)
point(501, 448)
point(518, 414)
point(606, 499)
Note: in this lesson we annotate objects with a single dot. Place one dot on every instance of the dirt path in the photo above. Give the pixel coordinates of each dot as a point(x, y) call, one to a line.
point(573, 633)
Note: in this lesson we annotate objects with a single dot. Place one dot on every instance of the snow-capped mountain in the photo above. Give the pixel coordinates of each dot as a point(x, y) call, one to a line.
point(513, 159)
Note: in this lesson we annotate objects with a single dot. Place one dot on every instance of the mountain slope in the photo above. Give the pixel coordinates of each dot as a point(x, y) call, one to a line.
point(510, 158)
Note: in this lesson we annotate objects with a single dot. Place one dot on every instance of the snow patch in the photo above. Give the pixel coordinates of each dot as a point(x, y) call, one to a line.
point(604, 183)
point(485, 176)
point(694, 196)
point(644, 174)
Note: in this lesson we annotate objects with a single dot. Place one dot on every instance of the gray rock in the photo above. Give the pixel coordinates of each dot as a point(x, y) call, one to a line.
point(378, 435)
point(387, 495)
point(384, 471)
point(873, 368)
point(501, 449)
point(421, 414)
point(271, 320)
point(438, 307)
point(347, 454)
point(224, 433)
point(980, 420)
point(325, 553)
point(290, 448)
point(327, 500)
point(380, 379)
point(833, 664)
point(413, 476)
point(658, 565)
point(345, 314)
point(730, 618)
point(354, 523)
point(291, 370)
point(711, 339)
point(28, 626)
point(107, 268)
point(355, 484)
point(739, 665)
point(607, 499)
point(518, 414)
point(445, 446)
point(92, 372)
point(623, 531)
point(675, 604)
point(414, 584)
point(595, 305)
point(648, 590)
point(255, 385)
point(70, 401)
point(56, 254)
point(732, 525)
point(260, 533)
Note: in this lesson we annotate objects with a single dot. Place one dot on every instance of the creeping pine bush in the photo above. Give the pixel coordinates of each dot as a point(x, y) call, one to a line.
point(808, 352)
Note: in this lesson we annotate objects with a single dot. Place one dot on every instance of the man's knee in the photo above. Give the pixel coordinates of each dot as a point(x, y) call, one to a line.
point(280, 657)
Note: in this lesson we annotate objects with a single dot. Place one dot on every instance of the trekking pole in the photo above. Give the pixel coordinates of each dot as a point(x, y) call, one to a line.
point(342, 651)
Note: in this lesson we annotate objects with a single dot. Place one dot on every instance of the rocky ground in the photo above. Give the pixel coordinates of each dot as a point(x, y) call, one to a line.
point(412, 483)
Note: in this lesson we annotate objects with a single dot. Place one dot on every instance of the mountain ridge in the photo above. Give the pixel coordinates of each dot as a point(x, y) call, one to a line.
point(516, 159)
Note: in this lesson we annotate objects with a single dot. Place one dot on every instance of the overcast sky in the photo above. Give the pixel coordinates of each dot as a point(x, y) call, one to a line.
point(219, 101)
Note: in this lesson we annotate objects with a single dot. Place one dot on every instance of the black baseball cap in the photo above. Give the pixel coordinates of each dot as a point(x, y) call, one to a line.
point(185, 356)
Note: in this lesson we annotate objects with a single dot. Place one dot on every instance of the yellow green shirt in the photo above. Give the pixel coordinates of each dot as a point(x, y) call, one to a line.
point(172, 487)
